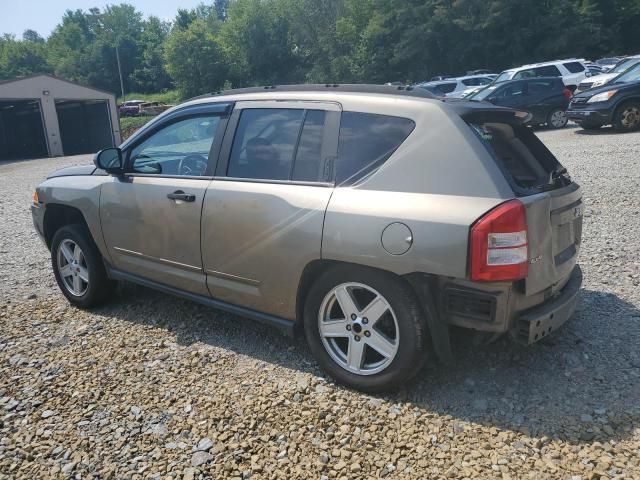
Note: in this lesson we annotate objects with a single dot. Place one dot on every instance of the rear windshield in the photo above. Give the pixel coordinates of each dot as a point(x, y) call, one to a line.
point(528, 165)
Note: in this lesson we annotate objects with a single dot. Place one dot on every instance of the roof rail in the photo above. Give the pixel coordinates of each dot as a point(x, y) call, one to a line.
point(401, 90)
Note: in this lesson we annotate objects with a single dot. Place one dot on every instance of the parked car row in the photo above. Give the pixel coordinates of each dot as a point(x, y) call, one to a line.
point(617, 103)
point(137, 108)
point(546, 91)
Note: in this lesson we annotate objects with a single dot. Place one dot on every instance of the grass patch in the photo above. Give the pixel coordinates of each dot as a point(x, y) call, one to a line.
point(128, 125)
point(171, 97)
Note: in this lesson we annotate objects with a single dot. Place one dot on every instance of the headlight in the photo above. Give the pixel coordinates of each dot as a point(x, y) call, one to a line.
point(602, 97)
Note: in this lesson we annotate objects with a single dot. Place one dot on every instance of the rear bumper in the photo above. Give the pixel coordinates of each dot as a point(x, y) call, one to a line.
point(536, 323)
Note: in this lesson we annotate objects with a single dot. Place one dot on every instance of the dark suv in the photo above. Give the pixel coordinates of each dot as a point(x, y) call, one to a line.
point(545, 98)
point(616, 103)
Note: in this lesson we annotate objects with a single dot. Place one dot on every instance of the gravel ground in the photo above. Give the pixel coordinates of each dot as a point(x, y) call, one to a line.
point(156, 387)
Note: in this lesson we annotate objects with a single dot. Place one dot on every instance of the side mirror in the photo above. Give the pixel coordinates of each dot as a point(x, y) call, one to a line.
point(110, 160)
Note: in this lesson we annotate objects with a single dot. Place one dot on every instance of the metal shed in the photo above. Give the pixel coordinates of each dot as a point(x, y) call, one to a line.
point(43, 115)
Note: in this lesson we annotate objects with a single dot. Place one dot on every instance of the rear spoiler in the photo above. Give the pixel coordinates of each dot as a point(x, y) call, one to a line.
point(487, 112)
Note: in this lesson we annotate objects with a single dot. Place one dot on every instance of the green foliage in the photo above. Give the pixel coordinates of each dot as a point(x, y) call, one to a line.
point(237, 43)
point(195, 59)
point(128, 125)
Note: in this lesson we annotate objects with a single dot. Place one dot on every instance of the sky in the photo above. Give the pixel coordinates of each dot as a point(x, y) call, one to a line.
point(16, 16)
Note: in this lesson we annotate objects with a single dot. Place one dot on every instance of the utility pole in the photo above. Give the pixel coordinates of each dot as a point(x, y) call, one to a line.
point(120, 73)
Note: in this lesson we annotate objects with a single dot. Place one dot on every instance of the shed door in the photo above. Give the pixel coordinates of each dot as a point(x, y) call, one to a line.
point(21, 130)
point(85, 125)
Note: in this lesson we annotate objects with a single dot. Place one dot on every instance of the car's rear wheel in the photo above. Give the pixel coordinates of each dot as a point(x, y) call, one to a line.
point(557, 118)
point(365, 328)
point(627, 117)
point(78, 267)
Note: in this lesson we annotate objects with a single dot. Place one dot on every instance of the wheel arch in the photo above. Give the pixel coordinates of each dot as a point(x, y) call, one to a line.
point(57, 216)
point(422, 285)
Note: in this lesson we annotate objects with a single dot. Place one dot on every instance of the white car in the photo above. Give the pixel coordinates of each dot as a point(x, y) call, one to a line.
point(454, 87)
point(603, 79)
point(572, 70)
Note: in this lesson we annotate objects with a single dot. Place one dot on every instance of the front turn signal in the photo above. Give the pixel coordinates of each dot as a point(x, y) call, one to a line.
point(36, 199)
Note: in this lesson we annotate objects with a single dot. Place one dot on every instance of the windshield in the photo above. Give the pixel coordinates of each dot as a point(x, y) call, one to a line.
point(482, 94)
point(624, 64)
point(503, 77)
point(631, 75)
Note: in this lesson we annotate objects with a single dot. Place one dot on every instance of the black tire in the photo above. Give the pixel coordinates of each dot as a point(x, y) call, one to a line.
point(413, 333)
point(99, 288)
point(627, 117)
point(550, 117)
point(590, 126)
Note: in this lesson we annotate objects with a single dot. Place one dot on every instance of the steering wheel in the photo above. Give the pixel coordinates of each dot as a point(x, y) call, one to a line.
point(192, 165)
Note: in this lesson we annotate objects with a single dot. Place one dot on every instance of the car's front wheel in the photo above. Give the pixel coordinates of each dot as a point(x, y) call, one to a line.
point(365, 328)
point(557, 118)
point(78, 267)
point(627, 117)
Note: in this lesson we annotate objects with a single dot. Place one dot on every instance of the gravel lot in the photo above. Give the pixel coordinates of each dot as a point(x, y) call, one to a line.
point(155, 387)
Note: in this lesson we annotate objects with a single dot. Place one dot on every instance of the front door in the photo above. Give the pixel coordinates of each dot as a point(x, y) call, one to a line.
point(151, 216)
point(264, 211)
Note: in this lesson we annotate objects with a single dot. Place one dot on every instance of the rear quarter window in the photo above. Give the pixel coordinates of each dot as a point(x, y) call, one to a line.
point(366, 141)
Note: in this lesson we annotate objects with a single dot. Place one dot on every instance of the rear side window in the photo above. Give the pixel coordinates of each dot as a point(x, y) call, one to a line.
point(278, 144)
point(541, 86)
point(574, 67)
point(366, 142)
point(528, 165)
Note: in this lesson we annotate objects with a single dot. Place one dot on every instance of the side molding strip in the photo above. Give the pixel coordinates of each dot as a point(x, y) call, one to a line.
point(282, 324)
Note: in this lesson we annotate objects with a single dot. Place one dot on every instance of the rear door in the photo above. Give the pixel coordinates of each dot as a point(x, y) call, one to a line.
point(553, 202)
point(264, 211)
point(545, 94)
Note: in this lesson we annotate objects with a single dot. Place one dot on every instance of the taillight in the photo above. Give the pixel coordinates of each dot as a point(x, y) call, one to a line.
point(498, 244)
point(567, 93)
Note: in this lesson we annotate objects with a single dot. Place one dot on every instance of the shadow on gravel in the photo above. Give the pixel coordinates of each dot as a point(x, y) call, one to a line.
point(581, 385)
point(600, 131)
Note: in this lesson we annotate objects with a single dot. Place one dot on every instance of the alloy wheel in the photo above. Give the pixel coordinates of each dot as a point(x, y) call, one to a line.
point(358, 328)
point(72, 267)
point(630, 117)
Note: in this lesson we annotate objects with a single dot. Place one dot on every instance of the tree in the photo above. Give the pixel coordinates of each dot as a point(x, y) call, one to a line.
point(256, 38)
point(150, 74)
point(32, 36)
point(20, 58)
point(195, 60)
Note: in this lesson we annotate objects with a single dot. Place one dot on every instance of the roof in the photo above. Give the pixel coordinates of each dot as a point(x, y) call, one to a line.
point(397, 90)
point(542, 64)
point(35, 75)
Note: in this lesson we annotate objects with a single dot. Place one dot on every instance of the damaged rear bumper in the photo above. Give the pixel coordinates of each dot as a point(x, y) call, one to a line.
point(537, 322)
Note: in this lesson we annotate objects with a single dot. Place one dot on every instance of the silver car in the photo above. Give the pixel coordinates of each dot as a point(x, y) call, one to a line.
point(369, 218)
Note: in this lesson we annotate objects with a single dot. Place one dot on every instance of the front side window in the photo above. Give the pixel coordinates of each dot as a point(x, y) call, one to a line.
point(181, 148)
point(278, 144)
point(517, 89)
point(366, 141)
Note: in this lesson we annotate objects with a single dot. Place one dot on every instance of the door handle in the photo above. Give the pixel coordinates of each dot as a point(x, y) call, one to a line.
point(180, 195)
